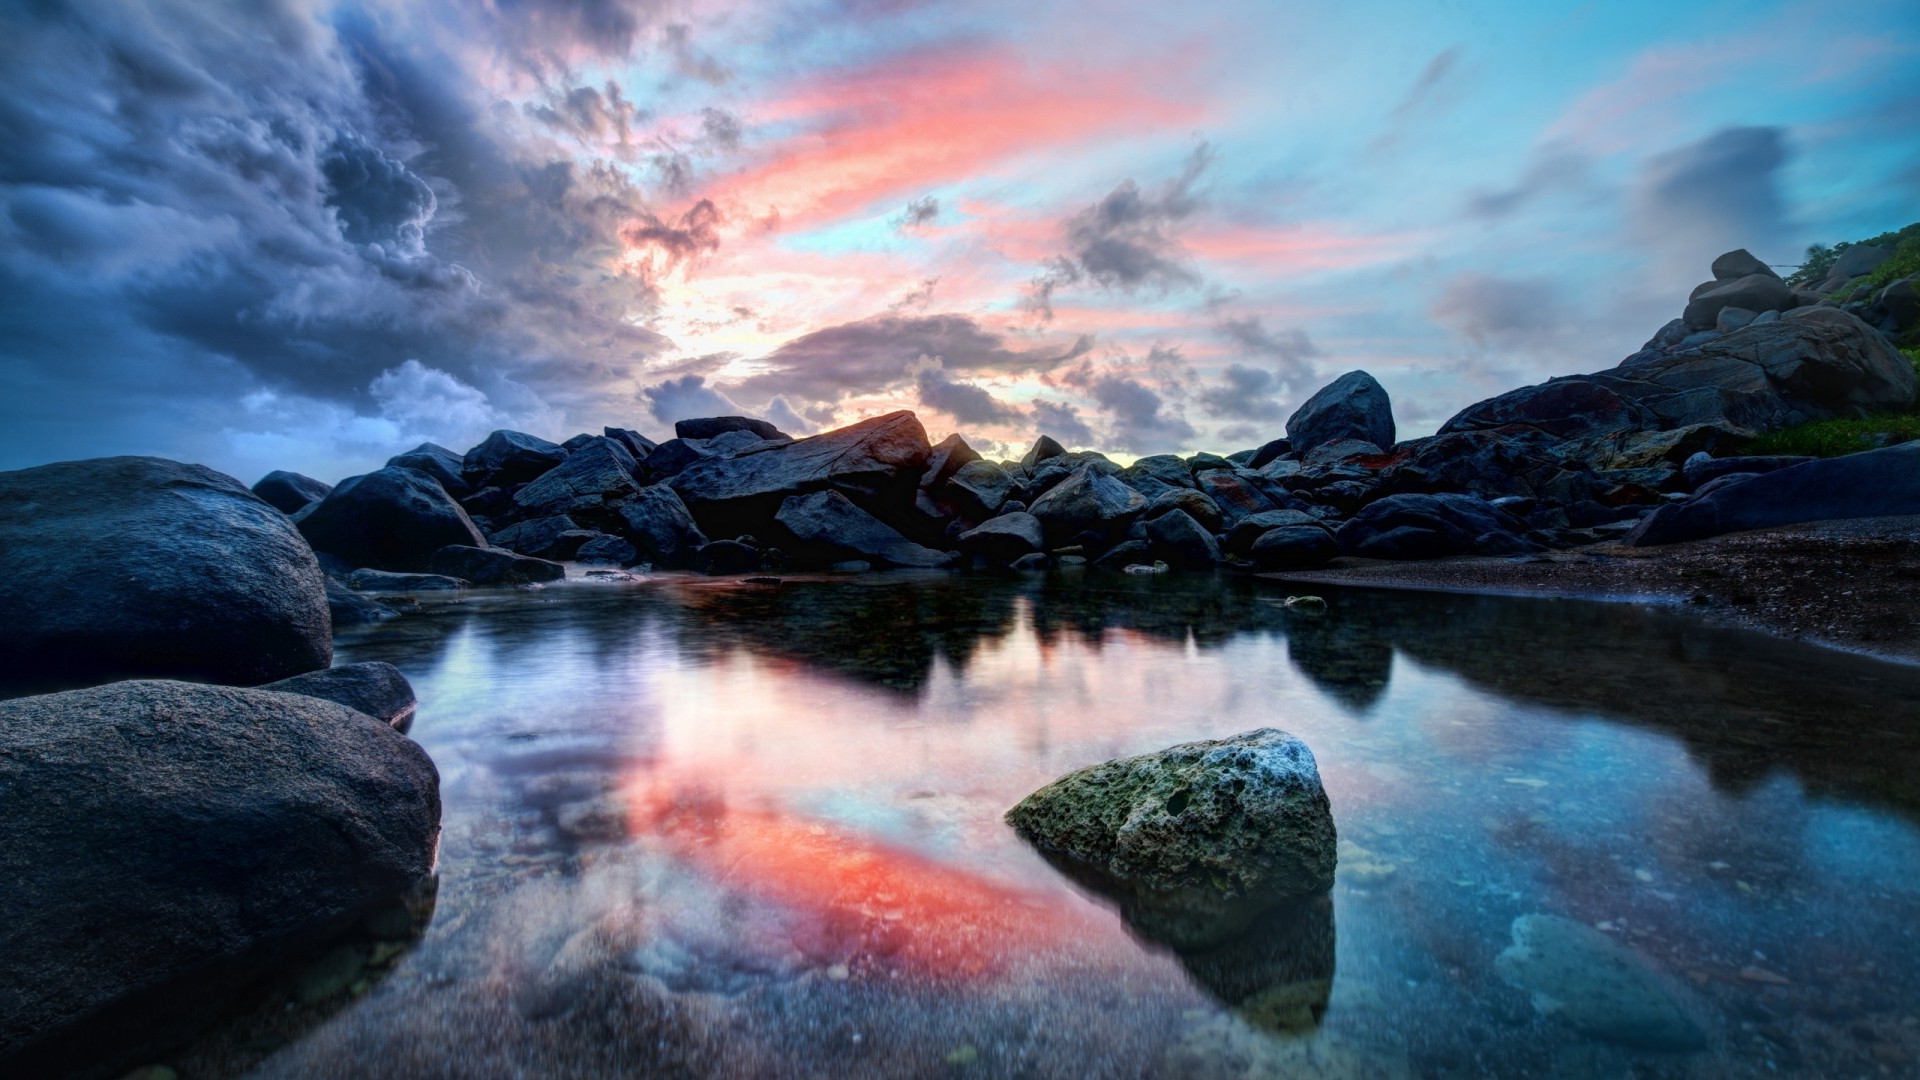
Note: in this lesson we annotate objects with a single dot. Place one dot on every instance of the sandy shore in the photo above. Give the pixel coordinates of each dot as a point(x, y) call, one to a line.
point(1851, 585)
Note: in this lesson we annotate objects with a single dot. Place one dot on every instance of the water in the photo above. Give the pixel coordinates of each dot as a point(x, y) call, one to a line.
point(707, 827)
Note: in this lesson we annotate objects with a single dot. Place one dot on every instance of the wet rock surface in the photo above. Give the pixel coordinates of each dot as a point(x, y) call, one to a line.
point(371, 687)
point(1591, 982)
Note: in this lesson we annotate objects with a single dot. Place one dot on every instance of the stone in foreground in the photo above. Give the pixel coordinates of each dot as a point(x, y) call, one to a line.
point(162, 831)
point(1241, 816)
point(1595, 985)
point(137, 566)
point(373, 687)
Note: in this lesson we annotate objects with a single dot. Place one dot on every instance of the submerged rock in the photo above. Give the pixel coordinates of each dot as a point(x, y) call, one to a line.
point(1595, 985)
point(1234, 817)
point(373, 687)
point(138, 566)
point(159, 832)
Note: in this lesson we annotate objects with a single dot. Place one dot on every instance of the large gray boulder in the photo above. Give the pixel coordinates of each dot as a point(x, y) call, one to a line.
point(438, 462)
point(584, 487)
point(1418, 526)
point(289, 492)
point(946, 458)
point(1754, 292)
point(373, 687)
point(492, 567)
point(136, 566)
point(1740, 263)
point(1353, 406)
point(390, 519)
point(876, 462)
point(709, 427)
point(1088, 500)
point(1239, 816)
point(980, 487)
point(542, 537)
point(1876, 483)
point(1001, 540)
point(506, 458)
point(166, 840)
point(827, 528)
point(661, 529)
point(1181, 541)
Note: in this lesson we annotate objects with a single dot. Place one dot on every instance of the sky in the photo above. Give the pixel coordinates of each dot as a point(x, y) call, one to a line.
point(310, 235)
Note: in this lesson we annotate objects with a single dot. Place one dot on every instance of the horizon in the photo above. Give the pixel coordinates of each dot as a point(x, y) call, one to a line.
point(313, 236)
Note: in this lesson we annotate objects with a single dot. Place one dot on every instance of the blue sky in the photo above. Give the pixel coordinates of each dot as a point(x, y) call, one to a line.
point(310, 235)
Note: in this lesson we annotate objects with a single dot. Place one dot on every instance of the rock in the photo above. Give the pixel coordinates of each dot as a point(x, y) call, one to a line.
point(1739, 264)
point(390, 519)
point(1339, 450)
point(875, 462)
point(491, 567)
point(980, 488)
point(538, 537)
point(1203, 461)
point(827, 527)
point(1156, 474)
point(1124, 554)
point(1235, 817)
point(1240, 538)
point(661, 528)
point(947, 457)
point(1700, 468)
point(576, 442)
point(1876, 483)
point(1429, 527)
point(1038, 560)
point(1353, 406)
point(584, 487)
point(637, 444)
point(1268, 453)
point(1196, 504)
point(1293, 547)
point(1086, 500)
point(135, 566)
point(510, 457)
point(1595, 985)
point(1754, 292)
point(711, 426)
point(727, 557)
point(1043, 448)
point(432, 459)
point(373, 687)
point(1857, 260)
point(388, 581)
point(1003, 539)
point(288, 492)
point(1233, 491)
point(349, 608)
point(674, 455)
point(219, 826)
point(1733, 318)
point(611, 550)
point(1177, 538)
point(1901, 301)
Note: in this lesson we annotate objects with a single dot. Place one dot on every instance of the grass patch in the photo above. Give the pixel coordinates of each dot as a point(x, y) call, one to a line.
point(1820, 258)
point(1834, 438)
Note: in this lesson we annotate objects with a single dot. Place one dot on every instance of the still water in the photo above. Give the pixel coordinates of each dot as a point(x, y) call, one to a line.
point(715, 828)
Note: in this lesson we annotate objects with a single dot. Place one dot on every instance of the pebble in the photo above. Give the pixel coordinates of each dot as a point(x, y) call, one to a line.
point(1762, 975)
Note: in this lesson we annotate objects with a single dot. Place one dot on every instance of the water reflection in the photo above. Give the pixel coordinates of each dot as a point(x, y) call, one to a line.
point(716, 828)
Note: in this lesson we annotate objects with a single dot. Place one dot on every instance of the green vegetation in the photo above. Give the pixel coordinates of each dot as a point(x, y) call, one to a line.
point(1820, 257)
point(1833, 438)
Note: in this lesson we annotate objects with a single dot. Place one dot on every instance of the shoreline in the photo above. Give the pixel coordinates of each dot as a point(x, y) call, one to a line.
point(1849, 585)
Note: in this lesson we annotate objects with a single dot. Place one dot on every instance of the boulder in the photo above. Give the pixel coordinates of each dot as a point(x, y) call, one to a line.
point(510, 457)
point(1181, 541)
point(1901, 302)
point(1043, 448)
point(1739, 263)
point(438, 462)
point(947, 458)
point(169, 840)
point(1197, 506)
point(136, 566)
point(1235, 493)
point(374, 687)
point(1733, 318)
point(980, 487)
point(1700, 468)
point(1124, 554)
point(1155, 474)
point(584, 487)
point(491, 567)
point(608, 550)
point(288, 492)
point(1086, 501)
point(875, 462)
point(538, 537)
point(827, 528)
point(1354, 406)
point(727, 557)
point(1876, 483)
point(1268, 453)
point(349, 608)
point(637, 444)
point(388, 581)
point(1241, 816)
point(1240, 538)
point(1003, 539)
point(674, 455)
point(390, 519)
point(661, 528)
point(1430, 527)
point(1754, 292)
point(711, 426)
point(1595, 985)
point(576, 442)
point(1293, 547)
point(1857, 260)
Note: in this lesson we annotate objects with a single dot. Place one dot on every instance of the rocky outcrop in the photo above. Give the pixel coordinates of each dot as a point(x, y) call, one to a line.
point(876, 463)
point(713, 426)
point(288, 492)
point(1004, 539)
point(1180, 540)
point(1876, 483)
point(660, 527)
point(1240, 816)
point(391, 519)
point(373, 687)
point(135, 566)
point(507, 458)
point(1087, 500)
point(432, 459)
point(827, 528)
point(1429, 527)
point(585, 487)
point(1354, 406)
point(215, 827)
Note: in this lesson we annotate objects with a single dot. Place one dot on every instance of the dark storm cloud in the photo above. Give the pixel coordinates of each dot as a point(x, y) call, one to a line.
point(1288, 350)
point(1062, 421)
point(1142, 423)
point(248, 199)
point(1245, 393)
point(696, 232)
point(720, 128)
point(1710, 196)
point(1128, 241)
point(965, 402)
point(1497, 312)
point(878, 354)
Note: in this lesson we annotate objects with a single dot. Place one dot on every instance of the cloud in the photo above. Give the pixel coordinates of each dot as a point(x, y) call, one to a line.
point(1553, 170)
point(419, 398)
point(920, 211)
point(1429, 91)
point(1128, 241)
point(1062, 421)
point(965, 402)
point(1499, 312)
point(1142, 421)
point(1711, 196)
point(720, 128)
point(686, 397)
point(916, 298)
point(695, 233)
point(1245, 393)
point(1290, 349)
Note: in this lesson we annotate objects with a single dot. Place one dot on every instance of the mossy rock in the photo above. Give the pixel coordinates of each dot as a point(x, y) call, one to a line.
point(1238, 817)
